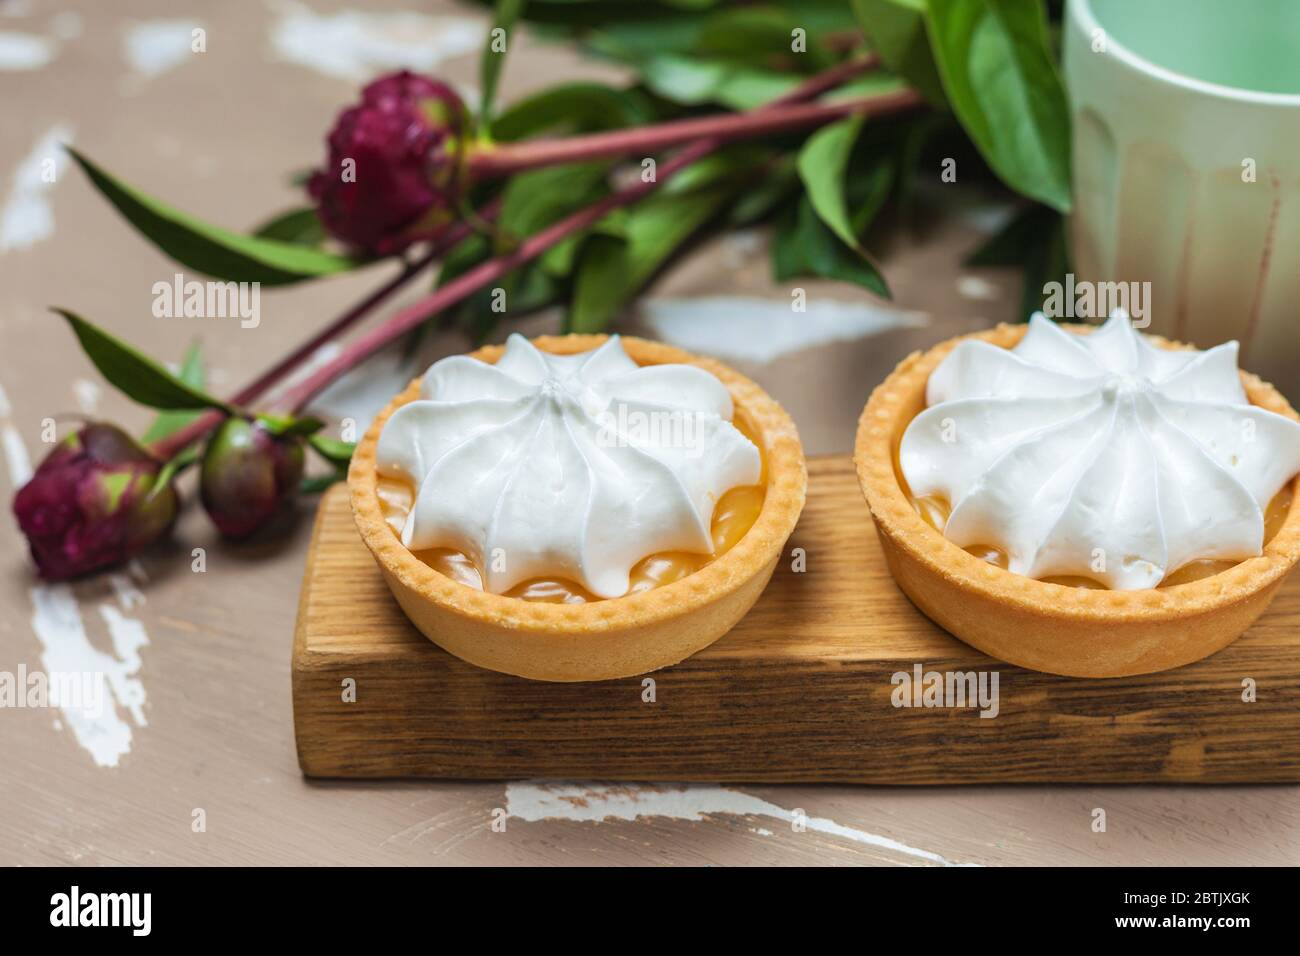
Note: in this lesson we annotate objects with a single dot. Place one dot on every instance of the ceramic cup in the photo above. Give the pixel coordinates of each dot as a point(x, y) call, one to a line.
point(1186, 118)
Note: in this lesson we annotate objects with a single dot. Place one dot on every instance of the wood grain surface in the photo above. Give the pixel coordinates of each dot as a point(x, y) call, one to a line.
point(801, 690)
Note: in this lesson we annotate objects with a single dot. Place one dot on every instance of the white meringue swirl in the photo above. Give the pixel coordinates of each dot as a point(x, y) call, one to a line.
point(1099, 455)
point(565, 466)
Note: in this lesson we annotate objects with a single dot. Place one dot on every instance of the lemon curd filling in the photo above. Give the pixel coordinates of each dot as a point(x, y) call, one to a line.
point(935, 509)
point(733, 515)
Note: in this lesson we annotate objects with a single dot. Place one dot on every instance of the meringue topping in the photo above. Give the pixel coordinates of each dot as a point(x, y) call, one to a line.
point(571, 467)
point(1098, 456)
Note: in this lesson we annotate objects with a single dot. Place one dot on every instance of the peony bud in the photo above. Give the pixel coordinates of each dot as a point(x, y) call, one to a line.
point(93, 502)
point(394, 166)
point(248, 473)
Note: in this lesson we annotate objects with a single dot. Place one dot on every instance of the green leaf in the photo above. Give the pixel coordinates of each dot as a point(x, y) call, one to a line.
point(695, 81)
point(613, 270)
point(897, 32)
point(332, 449)
point(289, 424)
point(1012, 243)
point(822, 162)
point(558, 260)
point(573, 107)
point(536, 199)
point(761, 35)
point(315, 484)
point(136, 375)
point(193, 374)
point(720, 167)
point(174, 466)
point(490, 60)
point(998, 73)
point(649, 34)
point(301, 226)
point(210, 249)
point(805, 246)
point(869, 190)
point(757, 203)
point(1049, 264)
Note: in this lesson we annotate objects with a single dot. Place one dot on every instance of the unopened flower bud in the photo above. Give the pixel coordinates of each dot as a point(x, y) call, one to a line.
point(95, 501)
point(393, 173)
point(248, 474)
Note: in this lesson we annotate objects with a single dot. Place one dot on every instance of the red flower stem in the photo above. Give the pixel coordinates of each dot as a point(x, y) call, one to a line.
point(470, 282)
point(167, 447)
point(827, 80)
point(506, 158)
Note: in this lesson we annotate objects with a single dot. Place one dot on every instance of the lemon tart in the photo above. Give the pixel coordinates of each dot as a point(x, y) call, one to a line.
point(1084, 501)
point(577, 507)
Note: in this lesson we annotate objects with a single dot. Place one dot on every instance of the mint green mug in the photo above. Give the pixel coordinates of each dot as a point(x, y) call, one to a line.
point(1186, 154)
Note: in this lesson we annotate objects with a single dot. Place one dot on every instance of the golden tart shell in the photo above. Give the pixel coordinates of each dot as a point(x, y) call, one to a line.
point(599, 640)
point(1077, 632)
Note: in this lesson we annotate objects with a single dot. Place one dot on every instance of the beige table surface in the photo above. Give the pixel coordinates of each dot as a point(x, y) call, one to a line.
point(218, 132)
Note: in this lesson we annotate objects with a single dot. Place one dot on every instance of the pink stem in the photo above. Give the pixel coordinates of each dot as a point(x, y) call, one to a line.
point(470, 282)
point(505, 158)
point(167, 447)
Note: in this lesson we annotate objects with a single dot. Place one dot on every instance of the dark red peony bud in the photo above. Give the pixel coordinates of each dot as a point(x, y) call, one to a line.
point(93, 502)
point(248, 473)
point(405, 141)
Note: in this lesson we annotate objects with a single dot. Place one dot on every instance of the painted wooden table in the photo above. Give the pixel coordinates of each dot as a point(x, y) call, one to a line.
point(193, 760)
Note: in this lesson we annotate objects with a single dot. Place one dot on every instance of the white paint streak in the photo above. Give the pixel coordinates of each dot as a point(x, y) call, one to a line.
point(17, 462)
point(16, 459)
point(156, 46)
point(353, 45)
point(87, 394)
point(128, 595)
point(740, 328)
point(129, 637)
point(533, 802)
point(27, 217)
point(980, 290)
point(66, 649)
point(23, 51)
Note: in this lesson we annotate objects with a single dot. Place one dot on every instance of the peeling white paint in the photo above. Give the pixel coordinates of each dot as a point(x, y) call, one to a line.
point(745, 329)
point(102, 731)
point(156, 46)
point(355, 45)
point(27, 217)
point(25, 51)
point(129, 597)
point(87, 395)
point(17, 462)
point(978, 289)
point(533, 802)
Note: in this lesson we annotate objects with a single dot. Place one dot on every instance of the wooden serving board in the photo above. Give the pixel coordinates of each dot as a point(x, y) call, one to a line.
point(801, 690)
